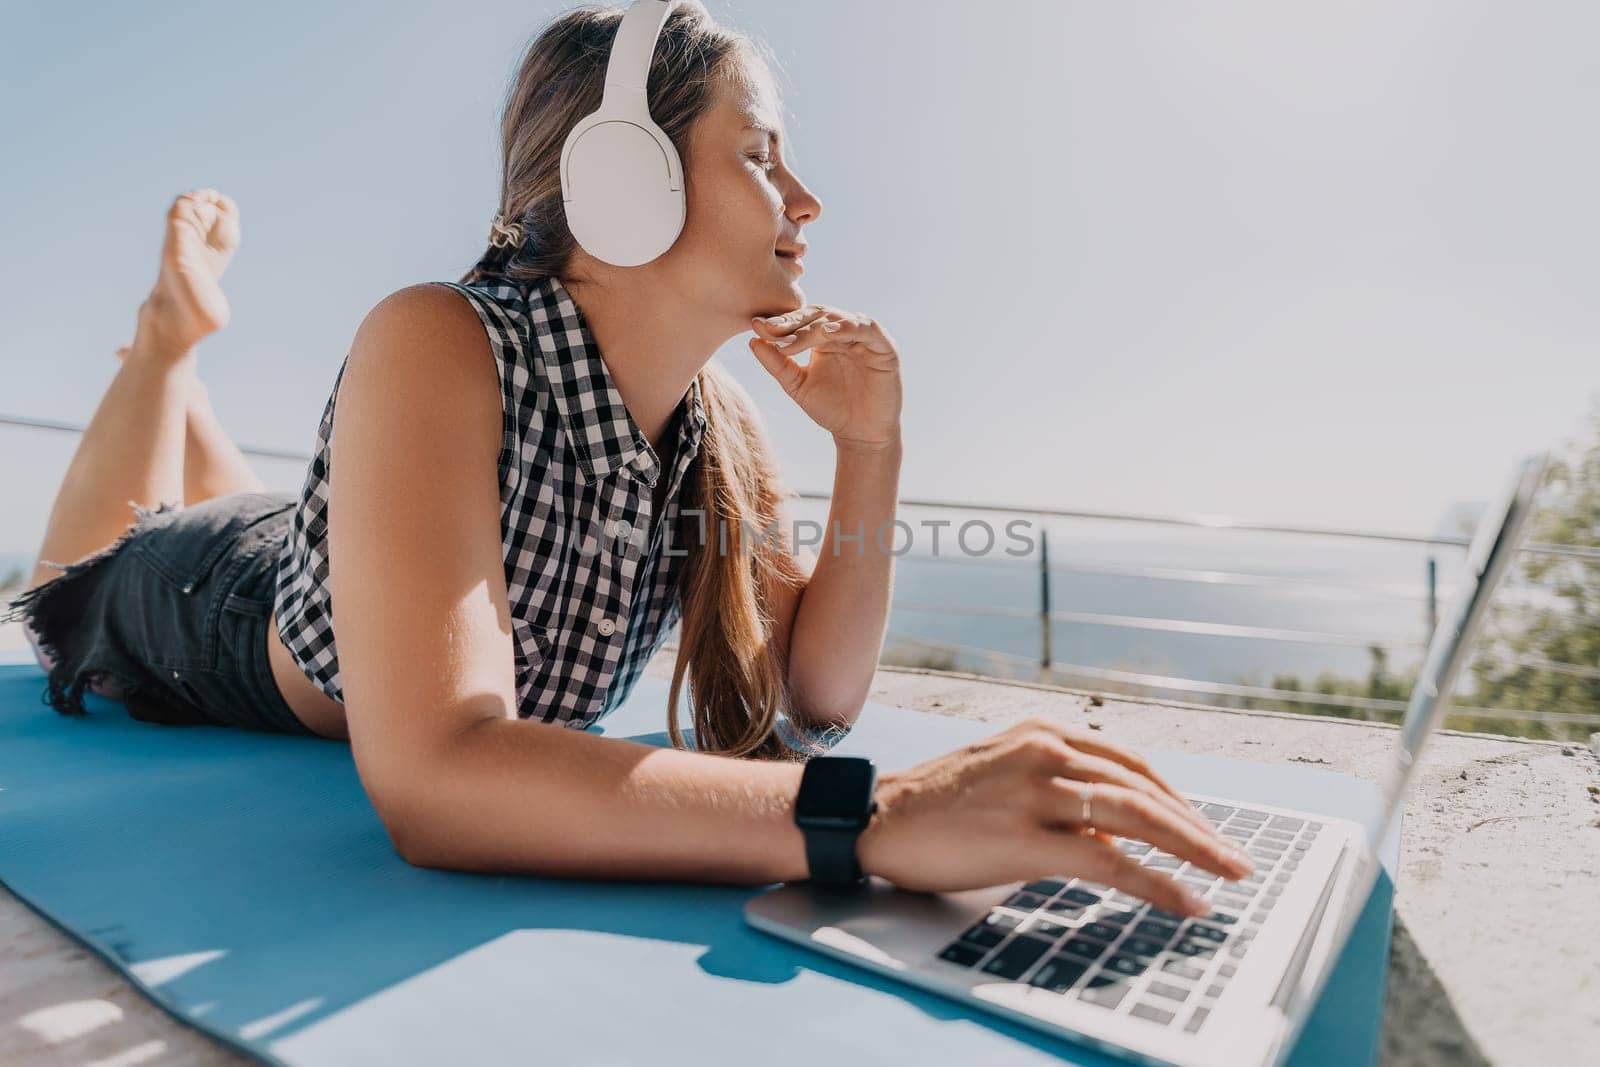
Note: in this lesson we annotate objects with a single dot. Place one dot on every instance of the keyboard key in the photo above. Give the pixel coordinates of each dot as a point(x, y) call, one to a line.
point(1253, 817)
point(1152, 1013)
point(1025, 901)
point(1168, 991)
point(962, 954)
point(1116, 915)
point(1183, 969)
point(1003, 920)
point(985, 935)
point(1133, 848)
point(1283, 822)
point(1083, 948)
point(1214, 992)
point(1227, 970)
point(1063, 907)
point(1217, 811)
point(1126, 900)
point(1143, 946)
point(1164, 863)
point(1125, 965)
point(1103, 931)
point(1230, 902)
point(1045, 887)
point(1058, 974)
point(1195, 1020)
point(1103, 991)
point(1196, 949)
point(1165, 916)
point(1221, 917)
point(1277, 835)
point(1045, 928)
point(1156, 931)
point(1208, 933)
point(1081, 896)
point(1016, 957)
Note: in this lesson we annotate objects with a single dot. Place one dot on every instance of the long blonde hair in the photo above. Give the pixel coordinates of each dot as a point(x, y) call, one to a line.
point(737, 678)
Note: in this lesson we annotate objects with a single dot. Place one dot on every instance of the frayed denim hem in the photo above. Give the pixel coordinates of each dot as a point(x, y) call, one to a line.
point(47, 613)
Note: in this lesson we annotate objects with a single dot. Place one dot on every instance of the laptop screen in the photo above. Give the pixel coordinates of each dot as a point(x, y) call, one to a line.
point(1494, 545)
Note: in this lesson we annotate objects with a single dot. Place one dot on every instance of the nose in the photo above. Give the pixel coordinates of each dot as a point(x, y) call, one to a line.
point(800, 204)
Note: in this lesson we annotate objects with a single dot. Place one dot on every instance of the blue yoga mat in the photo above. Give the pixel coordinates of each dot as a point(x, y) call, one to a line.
point(243, 882)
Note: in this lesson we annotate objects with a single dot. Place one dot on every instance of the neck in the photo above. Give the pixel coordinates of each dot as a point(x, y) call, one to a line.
point(652, 343)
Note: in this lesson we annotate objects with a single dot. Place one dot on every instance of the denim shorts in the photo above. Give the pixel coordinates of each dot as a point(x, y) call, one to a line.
point(172, 618)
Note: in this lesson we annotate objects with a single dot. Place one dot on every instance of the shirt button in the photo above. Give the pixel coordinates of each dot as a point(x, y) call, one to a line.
point(606, 627)
point(624, 527)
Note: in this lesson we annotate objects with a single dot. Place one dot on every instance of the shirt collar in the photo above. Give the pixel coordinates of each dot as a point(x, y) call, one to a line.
point(602, 431)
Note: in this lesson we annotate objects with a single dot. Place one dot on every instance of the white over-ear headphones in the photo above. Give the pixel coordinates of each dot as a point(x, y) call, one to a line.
point(621, 179)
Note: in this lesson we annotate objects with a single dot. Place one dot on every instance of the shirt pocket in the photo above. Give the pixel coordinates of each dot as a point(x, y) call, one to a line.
point(530, 646)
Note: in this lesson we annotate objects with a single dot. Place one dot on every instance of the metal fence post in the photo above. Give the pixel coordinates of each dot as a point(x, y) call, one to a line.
point(1044, 604)
point(1433, 596)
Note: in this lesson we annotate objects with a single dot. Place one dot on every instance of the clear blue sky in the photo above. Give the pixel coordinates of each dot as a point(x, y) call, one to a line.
point(1307, 263)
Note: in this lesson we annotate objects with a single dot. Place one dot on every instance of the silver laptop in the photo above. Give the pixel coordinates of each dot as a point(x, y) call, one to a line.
point(1099, 966)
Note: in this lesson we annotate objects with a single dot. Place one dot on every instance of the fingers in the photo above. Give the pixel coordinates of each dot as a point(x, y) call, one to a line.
point(1134, 813)
point(1096, 861)
point(1088, 742)
point(786, 323)
point(788, 373)
point(1088, 767)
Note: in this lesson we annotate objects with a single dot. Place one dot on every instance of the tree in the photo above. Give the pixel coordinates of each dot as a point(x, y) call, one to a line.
point(1542, 652)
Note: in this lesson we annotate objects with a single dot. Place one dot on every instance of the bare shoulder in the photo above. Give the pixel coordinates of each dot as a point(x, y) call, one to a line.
point(424, 318)
point(423, 345)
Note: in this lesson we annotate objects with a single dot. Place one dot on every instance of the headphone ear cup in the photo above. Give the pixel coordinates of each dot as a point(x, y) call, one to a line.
point(620, 203)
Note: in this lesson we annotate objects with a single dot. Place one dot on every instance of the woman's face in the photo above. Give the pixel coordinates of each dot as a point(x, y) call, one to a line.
point(744, 206)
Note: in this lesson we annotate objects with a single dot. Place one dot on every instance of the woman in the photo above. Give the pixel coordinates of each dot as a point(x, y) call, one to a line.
point(500, 553)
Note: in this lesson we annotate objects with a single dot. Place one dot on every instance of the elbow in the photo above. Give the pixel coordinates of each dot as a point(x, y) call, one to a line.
point(408, 828)
point(418, 792)
point(404, 794)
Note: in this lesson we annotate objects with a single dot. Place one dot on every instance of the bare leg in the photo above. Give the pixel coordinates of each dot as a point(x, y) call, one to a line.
point(133, 448)
point(212, 464)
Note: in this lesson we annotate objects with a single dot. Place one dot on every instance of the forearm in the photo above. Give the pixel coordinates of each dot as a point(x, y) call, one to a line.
point(520, 797)
point(844, 611)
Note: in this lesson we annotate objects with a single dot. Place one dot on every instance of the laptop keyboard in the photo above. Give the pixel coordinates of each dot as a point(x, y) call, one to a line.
point(1107, 948)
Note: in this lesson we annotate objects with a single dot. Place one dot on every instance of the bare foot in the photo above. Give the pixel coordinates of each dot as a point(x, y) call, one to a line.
point(187, 303)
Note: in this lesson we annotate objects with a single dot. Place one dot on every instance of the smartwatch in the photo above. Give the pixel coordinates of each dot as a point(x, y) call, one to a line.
point(834, 806)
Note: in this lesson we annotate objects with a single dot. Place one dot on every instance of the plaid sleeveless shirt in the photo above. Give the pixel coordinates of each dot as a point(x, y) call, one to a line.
point(592, 582)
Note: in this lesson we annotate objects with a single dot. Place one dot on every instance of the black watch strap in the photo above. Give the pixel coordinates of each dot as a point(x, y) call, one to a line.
point(831, 857)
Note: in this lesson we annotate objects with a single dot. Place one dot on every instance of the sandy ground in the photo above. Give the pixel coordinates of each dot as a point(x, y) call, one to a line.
point(1495, 958)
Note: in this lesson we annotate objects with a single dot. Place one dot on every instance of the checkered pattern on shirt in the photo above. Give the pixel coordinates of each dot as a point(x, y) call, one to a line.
point(576, 475)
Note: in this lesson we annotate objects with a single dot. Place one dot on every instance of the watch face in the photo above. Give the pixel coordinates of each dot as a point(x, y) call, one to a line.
point(835, 789)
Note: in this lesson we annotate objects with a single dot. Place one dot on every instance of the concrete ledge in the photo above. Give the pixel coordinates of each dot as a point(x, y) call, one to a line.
point(1495, 956)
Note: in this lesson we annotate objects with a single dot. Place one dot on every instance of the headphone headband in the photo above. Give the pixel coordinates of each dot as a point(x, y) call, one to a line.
point(621, 178)
point(629, 67)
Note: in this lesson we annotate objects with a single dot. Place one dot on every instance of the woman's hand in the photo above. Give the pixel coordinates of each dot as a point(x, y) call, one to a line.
point(1010, 808)
point(851, 384)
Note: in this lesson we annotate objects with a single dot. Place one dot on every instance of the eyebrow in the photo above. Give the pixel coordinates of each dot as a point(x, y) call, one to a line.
point(777, 139)
point(764, 128)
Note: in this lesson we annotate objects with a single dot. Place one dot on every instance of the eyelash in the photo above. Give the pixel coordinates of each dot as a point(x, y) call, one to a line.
point(765, 161)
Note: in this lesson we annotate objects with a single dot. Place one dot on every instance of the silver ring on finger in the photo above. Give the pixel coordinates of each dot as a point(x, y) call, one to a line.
point(1088, 809)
